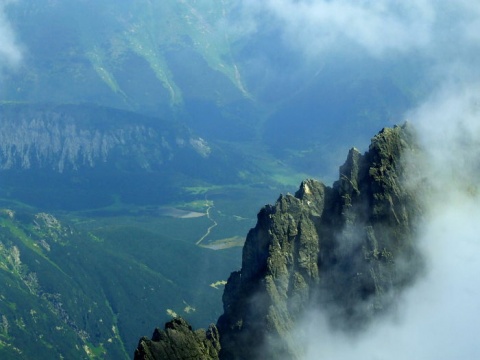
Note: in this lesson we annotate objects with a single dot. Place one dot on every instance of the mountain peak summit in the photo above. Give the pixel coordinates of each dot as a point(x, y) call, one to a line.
point(334, 249)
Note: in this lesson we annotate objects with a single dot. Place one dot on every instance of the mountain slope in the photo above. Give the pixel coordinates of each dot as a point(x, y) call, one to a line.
point(202, 63)
point(101, 152)
point(83, 190)
point(335, 248)
point(79, 294)
point(138, 56)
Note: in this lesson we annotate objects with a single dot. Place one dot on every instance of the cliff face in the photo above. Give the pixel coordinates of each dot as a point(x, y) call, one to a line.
point(335, 248)
point(179, 341)
point(104, 153)
point(72, 137)
point(347, 249)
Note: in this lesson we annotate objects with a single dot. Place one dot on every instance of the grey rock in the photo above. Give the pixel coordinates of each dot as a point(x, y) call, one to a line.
point(73, 137)
point(334, 248)
point(179, 341)
point(347, 249)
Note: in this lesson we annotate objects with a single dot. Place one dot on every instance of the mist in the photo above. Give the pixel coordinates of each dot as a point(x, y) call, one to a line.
point(10, 50)
point(381, 28)
point(441, 38)
point(438, 316)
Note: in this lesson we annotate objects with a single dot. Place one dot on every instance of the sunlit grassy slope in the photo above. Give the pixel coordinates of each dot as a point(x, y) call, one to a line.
point(188, 60)
point(87, 284)
point(124, 54)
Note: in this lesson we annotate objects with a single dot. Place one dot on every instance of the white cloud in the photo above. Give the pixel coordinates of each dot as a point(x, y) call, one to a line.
point(437, 318)
point(10, 50)
point(449, 124)
point(381, 28)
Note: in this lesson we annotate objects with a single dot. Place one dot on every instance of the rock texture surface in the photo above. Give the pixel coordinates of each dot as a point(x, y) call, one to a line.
point(334, 248)
point(330, 247)
point(179, 341)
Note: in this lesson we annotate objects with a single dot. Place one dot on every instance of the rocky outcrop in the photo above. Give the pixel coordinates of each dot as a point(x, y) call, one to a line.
point(179, 341)
point(346, 249)
point(335, 248)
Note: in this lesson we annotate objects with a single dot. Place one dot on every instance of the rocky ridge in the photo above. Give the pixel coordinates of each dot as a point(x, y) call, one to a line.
point(69, 137)
point(347, 249)
point(179, 341)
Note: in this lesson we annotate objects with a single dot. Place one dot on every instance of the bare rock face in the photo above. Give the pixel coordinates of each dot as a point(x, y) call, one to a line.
point(335, 248)
point(179, 341)
point(347, 250)
point(70, 137)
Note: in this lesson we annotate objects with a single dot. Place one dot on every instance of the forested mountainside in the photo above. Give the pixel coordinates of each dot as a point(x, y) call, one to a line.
point(72, 137)
point(100, 151)
point(83, 187)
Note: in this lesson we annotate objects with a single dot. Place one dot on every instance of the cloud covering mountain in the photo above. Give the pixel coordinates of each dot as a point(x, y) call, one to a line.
point(380, 28)
point(10, 50)
point(436, 318)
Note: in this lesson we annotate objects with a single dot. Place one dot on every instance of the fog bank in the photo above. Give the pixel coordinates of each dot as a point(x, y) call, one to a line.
point(437, 318)
point(10, 51)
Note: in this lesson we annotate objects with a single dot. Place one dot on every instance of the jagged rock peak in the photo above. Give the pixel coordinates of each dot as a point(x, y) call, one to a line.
point(333, 248)
point(179, 341)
